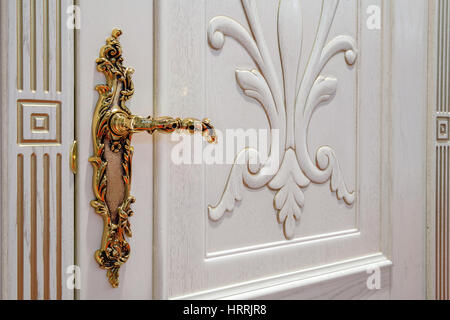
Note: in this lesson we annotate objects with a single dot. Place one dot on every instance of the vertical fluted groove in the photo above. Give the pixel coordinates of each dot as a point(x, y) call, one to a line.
point(439, 59)
point(58, 47)
point(447, 196)
point(33, 210)
point(445, 58)
point(444, 218)
point(33, 45)
point(19, 42)
point(440, 222)
point(46, 237)
point(447, 51)
point(58, 227)
point(20, 227)
point(46, 47)
point(437, 261)
point(442, 212)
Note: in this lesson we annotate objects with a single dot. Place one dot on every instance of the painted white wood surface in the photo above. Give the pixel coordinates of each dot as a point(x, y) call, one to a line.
point(136, 21)
point(408, 203)
point(39, 184)
point(380, 146)
point(374, 123)
point(3, 98)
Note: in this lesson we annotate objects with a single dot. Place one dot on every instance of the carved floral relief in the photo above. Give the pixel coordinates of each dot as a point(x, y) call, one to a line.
point(289, 101)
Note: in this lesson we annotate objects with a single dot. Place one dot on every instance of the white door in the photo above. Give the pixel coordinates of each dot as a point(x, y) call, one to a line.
point(331, 94)
point(37, 119)
point(336, 211)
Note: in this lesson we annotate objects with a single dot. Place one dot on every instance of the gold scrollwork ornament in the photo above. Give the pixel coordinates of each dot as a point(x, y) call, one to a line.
point(114, 250)
point(112, 128)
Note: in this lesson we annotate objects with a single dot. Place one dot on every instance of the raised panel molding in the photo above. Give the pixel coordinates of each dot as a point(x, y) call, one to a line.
point(38, 122)
point(289, 101)
point(227, 75)
point(342, 280)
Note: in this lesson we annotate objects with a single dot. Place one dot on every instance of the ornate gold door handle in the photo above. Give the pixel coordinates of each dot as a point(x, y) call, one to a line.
point(112, 128)
point(122, 124)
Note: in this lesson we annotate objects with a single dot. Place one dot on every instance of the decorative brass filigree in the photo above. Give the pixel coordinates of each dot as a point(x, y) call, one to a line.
point(112, 128)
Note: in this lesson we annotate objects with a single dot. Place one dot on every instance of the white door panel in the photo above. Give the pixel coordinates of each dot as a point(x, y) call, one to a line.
point(334, 93)
point(236, 63)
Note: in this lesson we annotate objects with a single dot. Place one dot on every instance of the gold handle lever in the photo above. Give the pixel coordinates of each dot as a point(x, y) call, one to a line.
point(112, 128)
point(122, 124)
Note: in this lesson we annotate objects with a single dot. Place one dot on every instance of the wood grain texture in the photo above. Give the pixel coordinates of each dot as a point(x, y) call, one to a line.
point(31, 267)
point(191, 251)
point(408, 189)
point(20, 205)
point(192, 256)
point(3, 100)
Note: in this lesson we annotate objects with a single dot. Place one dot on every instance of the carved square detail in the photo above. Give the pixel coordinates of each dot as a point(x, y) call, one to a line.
point(38, 122)
point(443, 129)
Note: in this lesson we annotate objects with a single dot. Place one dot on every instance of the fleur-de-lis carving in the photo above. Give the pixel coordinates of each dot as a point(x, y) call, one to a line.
point(289, 104)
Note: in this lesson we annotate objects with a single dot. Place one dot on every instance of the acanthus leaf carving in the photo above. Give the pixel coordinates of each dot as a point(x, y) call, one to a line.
point(289, 105)
point(289, 199)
